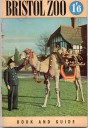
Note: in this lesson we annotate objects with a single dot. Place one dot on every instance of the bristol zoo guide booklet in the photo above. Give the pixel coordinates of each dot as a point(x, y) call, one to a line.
point(43, 63)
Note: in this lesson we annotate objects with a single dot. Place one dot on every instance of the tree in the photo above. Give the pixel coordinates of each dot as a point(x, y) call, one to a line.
point(42, 44)
point(17, 57)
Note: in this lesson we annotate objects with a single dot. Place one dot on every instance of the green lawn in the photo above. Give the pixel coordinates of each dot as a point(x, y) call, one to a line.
point(31, 97)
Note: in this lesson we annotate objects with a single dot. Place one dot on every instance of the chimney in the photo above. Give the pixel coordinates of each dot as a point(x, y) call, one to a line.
point(73, 22)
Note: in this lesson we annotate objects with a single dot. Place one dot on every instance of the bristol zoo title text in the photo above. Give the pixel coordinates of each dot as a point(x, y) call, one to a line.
point(35, 8)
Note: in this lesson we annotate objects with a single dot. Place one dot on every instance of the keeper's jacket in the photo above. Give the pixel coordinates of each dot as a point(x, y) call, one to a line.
point(10, 75)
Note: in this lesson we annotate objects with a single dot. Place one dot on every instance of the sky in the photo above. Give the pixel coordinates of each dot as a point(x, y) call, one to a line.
point(25, 33)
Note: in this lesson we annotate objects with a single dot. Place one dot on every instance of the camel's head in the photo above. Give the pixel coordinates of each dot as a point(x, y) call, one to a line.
point(26, 53)
point(23, 55)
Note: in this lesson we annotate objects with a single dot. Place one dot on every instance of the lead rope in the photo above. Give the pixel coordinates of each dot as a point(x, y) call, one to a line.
point(26, 63)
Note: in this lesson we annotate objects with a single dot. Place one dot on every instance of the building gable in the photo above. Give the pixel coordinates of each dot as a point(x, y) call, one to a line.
point(69, 34)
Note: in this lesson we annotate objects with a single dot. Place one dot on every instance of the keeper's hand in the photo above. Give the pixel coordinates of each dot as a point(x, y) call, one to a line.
point(8, 87)
point(24, 62)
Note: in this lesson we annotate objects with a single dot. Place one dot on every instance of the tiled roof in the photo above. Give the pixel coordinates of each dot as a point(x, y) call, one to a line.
point(69, 34)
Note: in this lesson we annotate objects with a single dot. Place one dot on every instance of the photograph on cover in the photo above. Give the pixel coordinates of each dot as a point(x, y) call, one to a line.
point(44, 67)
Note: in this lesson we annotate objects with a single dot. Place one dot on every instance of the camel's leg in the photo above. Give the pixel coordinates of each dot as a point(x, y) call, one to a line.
point(80, 86)
point(49, 95)
point(38, 77)
point(35, 74)
point(47, 92)
point(57, 90)
point(77, 90)
point(78, 78)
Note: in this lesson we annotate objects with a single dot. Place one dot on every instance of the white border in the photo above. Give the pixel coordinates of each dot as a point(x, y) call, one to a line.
point(0, 65)
point(87, 63)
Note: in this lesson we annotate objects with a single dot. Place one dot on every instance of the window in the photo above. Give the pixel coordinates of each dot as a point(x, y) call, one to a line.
point(56, 39)
point(77, 48)
point(59, 38)
point(74, 46)
point(80, 47)
point(63, 44)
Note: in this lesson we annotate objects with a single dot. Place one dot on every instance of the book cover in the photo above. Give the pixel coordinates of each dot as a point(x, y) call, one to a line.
point(43, 49)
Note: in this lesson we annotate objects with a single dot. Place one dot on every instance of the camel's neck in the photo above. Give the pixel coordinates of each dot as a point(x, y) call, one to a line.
point(33, 60)
point(60, 60)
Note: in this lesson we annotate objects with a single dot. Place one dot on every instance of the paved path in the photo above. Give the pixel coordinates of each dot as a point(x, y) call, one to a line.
point(28, 75)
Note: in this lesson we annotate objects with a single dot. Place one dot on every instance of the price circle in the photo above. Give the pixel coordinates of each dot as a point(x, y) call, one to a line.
point(76, 8)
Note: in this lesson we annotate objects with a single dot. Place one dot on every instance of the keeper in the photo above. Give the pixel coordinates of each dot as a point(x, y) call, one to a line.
point(11, 81)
